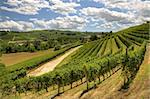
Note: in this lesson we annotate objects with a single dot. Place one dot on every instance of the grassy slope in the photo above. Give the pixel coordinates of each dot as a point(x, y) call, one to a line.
point(108, 89)
point(140, 88)
point(142, 29)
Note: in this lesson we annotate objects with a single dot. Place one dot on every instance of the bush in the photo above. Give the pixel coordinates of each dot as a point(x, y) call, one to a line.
point(57, 47)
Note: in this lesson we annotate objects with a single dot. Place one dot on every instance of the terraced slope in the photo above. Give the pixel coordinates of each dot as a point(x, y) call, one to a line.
point(135, 34)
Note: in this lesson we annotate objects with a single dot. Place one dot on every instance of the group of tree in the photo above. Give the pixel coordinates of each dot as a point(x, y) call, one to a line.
point(36, 45)
point(28, 46)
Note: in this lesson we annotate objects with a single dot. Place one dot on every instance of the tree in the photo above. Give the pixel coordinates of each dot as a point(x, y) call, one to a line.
point(72, 75)
point(8, 48)
point(57, 47)
point(93, 37)
point(47, 82)
point(58, 80)
point(31, 48)
point(44, 46)
point(92, 75)
point(37, 44)
point(51, 43)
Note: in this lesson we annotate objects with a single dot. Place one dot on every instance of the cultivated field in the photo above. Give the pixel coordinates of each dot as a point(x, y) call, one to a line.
point(14, 58)
point(115, 66)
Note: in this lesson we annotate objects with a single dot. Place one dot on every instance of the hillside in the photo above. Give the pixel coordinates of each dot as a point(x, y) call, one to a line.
point(139, 89)
point(32, 41)
point(105, 68)
point(33, 35)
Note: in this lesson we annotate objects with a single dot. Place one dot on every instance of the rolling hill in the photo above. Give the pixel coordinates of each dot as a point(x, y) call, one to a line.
point(110, 67)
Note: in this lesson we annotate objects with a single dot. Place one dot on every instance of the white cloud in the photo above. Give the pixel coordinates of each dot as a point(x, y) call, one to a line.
point(140, 8)
point(126, 13)
point(64, 8)
point(68, 22)
point(103, 13)
point(118, 14)
point(107, 25)
point(27, 7)
point(31, 7)
point(16, 25)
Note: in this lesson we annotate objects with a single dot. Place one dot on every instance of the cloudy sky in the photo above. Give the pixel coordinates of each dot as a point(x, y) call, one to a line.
point(81, 15)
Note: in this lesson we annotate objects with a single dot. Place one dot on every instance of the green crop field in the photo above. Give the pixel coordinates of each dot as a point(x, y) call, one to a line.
point(97, 63)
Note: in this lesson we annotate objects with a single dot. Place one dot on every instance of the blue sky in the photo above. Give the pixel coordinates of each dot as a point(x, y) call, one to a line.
point(80, 15)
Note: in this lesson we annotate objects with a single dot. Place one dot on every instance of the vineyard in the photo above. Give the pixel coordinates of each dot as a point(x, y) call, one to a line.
point(94, 62)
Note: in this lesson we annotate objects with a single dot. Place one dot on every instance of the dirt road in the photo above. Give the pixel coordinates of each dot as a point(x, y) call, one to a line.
point(49, 66)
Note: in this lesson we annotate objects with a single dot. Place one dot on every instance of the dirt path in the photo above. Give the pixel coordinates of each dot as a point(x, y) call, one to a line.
point(49, 66)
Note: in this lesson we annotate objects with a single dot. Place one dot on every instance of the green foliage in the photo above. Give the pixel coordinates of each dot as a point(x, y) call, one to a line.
point(131, 64)
point(2, 69)
point(31, 48)
point(93, 37)
point(57, 47)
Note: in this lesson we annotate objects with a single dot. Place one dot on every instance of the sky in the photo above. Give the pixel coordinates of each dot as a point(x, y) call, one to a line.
point(78, 15)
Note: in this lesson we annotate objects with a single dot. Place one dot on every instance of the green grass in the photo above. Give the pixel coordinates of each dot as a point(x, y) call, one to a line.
point(102, 50)
point(95, 52)
point(120, 43)
point(140, 29)
point(90, 52)
point(108, 48)
point(134, 39)
point(114, 46)
point(126, 41)
point(85, 49)
point(138, 35)
point(67, 59)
